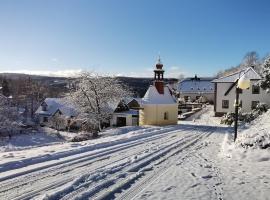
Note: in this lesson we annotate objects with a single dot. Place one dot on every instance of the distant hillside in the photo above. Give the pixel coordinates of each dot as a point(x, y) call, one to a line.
point(140, 85)
point(137, 85)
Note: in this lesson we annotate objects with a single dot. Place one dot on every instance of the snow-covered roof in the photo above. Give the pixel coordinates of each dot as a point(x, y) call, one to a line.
point(54, 104)
point(153, 97)
point(250, 74)
point(128, 100)
point(191, 85)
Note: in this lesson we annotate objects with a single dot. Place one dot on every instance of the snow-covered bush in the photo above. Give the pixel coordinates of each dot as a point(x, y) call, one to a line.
point(81, 137)
point(257, 136)
point(265, 82)
point(229, 118)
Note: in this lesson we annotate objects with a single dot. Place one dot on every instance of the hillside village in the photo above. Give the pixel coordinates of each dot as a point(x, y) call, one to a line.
point(134, 100)
point(73, 127)
point(164, 103)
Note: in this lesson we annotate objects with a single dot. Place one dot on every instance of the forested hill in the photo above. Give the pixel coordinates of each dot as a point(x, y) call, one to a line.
point(58, 85)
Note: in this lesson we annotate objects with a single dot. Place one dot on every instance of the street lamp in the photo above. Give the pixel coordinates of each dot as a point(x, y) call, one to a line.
point(242, 84)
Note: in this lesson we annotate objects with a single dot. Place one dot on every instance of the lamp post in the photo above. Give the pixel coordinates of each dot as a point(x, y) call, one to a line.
point(243, 83)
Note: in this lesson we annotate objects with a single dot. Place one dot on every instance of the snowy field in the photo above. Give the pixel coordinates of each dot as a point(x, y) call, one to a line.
point(193, 160)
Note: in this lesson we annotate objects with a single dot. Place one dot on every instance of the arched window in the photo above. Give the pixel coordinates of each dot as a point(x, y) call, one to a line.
point(166, 116)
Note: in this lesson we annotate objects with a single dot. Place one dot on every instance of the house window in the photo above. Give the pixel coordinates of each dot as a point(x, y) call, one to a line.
point(191, 88)
point(225, 104)
point(45, 119)
point(186, 98)
point(255, 89)
point(254, 104)
point(166, 116)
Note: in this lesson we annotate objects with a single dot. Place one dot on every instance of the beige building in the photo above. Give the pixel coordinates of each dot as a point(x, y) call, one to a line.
point(158, 106)
point(225, 93)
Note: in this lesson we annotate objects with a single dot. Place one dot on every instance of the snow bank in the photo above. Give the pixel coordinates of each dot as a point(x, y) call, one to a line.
point(27, 141)
point(234, 151)
point(253, 142)
point(257, 134)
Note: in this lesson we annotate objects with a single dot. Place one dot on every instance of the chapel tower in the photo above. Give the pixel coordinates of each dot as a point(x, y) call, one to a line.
point(158, 78)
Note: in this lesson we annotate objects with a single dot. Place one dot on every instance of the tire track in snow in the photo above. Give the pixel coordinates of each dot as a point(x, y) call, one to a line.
point(50, 184)
point(86, 157)
point(160, 170)
point(127, 174)
point(11, 165)
point(91, 184)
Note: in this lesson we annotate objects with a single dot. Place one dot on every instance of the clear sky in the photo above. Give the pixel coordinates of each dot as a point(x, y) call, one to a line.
point(126, 36)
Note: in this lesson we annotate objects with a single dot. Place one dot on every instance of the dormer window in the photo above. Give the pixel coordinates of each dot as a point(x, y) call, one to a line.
point(191, 88)
point(44, 107)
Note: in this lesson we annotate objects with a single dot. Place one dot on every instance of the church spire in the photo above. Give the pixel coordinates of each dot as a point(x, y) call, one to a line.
point(158, 78)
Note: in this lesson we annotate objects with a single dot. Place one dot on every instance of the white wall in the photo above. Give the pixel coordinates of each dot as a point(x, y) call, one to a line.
point(247, 97)
point(128, 117)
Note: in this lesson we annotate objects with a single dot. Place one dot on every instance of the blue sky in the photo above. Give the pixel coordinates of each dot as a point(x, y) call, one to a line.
point(125, 37)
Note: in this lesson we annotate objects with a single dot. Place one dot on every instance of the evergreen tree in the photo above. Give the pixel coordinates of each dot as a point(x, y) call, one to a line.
point(5, 88)
point(265, 83)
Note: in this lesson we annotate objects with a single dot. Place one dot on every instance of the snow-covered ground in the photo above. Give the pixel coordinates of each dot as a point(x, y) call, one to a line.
point(193, 160)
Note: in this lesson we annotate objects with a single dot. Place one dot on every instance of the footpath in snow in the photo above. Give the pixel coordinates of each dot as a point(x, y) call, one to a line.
point(193, 160)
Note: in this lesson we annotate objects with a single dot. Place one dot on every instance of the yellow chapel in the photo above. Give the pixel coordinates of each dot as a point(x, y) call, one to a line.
point(158, 106)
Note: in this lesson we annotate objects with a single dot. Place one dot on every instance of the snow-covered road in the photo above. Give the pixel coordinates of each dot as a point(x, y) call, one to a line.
point(104, 172)
point(173, 162)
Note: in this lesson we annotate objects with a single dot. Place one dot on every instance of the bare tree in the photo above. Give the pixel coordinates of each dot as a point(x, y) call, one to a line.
point(95, 96)
point(8, 117)
point(228, 71)
point(251, 59)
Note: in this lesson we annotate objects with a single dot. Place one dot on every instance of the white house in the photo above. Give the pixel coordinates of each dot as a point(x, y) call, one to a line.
point(123, 115)
point(55, 106)
point(225, 93)
point(158, 106)
point(196, 88)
